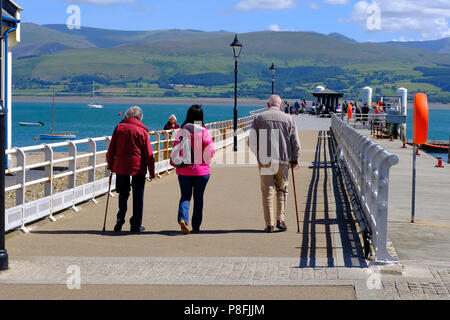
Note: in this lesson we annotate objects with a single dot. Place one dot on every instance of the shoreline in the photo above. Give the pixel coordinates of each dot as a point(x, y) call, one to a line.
point(137, 100)
point(175, 101)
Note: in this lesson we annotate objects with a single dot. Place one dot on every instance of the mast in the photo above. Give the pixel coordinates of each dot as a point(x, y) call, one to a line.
point(53, 111)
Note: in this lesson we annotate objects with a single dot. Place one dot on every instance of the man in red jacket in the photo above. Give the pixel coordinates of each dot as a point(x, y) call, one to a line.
point(130, 154)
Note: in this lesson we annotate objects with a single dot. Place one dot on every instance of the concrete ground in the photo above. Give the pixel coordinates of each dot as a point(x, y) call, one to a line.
point(232, 258)
point(429, 237)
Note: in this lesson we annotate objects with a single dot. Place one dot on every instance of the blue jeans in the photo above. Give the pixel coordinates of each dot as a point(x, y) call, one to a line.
point(192, 185)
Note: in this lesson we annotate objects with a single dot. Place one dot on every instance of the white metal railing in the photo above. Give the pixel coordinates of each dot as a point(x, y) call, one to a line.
point(26, 212)
point(368, 165)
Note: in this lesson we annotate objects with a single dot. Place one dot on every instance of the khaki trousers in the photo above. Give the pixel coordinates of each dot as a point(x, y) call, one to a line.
point(274, 181)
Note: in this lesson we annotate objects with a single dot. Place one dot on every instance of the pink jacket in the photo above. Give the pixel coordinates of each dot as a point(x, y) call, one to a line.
point(203, 147)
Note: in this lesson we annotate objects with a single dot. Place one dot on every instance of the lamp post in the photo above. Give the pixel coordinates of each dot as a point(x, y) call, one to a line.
point(3, 252)
point(237, 48)
point(272, 71)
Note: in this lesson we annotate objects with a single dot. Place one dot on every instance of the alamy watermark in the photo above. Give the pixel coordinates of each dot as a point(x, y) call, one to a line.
point(373, 21)
point(374, 282)
point(191, 148)
point(74, 19)
point(73, 281)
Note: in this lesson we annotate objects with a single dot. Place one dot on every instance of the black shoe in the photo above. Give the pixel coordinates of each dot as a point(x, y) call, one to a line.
point(269, 230)
point(281, 225)
point(137, 230)
point(118, 227)
point(195, 231)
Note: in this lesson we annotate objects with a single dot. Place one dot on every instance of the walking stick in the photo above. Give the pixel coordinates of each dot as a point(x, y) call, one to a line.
point(295, 197)
point(107, 201)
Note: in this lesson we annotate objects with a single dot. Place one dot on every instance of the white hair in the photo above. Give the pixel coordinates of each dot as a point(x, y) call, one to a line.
point(275, 101)
point(134, 112)
point(173, 116)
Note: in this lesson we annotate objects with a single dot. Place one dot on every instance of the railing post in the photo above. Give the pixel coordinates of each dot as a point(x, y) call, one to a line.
point(21, 177)
point(48, 187)
point(107, 143)
point(93, 165)
point(384, 165)
point(166, 145)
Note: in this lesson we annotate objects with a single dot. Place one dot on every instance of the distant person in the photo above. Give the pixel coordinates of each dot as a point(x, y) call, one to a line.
point(365, 111)
point(172, 123)
point(274, 165)
point(130, 154)
point(297, 107)
point(339, 108)
point(192, 153)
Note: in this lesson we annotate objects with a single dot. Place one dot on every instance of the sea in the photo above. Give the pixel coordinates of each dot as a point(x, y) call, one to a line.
point(91, 123)
point(101, 122)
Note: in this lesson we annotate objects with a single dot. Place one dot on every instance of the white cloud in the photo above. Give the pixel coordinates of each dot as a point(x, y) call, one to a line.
point(314, 6)
point(429, 19)
point(248, 5)
point(274, 27)
point(104, 1)
point(336, 1)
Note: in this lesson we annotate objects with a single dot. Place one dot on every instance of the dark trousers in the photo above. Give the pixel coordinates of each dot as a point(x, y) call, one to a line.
point(189, 185)
point(123, 188)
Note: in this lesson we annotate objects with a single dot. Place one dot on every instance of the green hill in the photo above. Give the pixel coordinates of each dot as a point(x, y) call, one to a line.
point(195, 63)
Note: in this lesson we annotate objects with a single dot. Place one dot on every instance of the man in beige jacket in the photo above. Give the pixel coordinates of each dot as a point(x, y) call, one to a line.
point(274, 139)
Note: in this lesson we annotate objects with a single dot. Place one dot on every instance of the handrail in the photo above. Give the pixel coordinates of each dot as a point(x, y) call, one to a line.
point(368, 165)
point(25, 212)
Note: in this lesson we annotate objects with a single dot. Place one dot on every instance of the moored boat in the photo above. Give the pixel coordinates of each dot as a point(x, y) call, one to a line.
point(31, 124)
point(434, 148)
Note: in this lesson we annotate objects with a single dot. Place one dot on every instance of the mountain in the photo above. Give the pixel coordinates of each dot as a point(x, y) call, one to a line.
point(151, 63)
point(436, 46)
point(341, 37)
point(40, 40)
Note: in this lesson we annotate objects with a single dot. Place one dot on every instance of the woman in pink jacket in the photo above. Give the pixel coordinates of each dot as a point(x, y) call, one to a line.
point(192, 153)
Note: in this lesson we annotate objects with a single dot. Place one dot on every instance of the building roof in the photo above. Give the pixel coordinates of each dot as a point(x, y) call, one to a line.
point(16, 5)
point(327, 92)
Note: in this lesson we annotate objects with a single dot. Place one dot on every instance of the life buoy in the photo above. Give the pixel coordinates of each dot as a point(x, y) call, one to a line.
point(420, 118)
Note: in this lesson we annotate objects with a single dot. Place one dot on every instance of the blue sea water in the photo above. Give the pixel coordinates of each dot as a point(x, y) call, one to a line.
point(438, 127)
point(100, 122)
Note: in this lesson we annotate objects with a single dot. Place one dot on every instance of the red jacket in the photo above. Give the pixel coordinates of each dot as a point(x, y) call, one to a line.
point(130, 151)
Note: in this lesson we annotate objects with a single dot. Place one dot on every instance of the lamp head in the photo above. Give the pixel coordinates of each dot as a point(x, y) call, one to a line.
point(237, 47)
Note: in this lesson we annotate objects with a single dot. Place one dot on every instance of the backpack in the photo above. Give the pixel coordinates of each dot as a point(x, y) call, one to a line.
point(187, 159)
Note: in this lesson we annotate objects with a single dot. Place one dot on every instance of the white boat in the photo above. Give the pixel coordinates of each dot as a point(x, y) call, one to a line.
point(31, 124)
point(94, 105)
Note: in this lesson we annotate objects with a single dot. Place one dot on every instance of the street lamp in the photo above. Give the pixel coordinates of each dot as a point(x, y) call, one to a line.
point(237, 48)
point(273, 70)
point(3, 252)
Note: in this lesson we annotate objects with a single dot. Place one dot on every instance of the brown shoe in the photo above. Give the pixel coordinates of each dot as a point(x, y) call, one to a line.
point(281, 225)
point(184, 227)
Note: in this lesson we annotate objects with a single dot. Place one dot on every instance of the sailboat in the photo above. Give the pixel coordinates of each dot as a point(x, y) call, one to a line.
point(57, 135)
point(93, 104)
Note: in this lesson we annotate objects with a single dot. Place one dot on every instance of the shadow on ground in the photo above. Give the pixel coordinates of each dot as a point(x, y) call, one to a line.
point(335, 209)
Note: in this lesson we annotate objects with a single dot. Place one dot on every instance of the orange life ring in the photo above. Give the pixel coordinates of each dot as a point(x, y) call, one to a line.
point(420, 118)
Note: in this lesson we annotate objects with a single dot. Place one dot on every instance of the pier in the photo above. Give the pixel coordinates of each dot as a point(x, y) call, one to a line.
point(232, 258)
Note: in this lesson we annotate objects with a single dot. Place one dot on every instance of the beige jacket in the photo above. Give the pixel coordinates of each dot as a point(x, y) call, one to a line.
point(274, 138)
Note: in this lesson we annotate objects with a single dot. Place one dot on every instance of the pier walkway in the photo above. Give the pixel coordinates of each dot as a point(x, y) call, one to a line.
point(232, 258)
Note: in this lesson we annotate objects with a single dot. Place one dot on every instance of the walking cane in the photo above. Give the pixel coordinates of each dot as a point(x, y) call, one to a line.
point(295, 197)
point(107, 201)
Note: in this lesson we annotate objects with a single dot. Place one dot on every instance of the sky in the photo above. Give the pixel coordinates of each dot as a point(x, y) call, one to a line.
point(372, 20)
